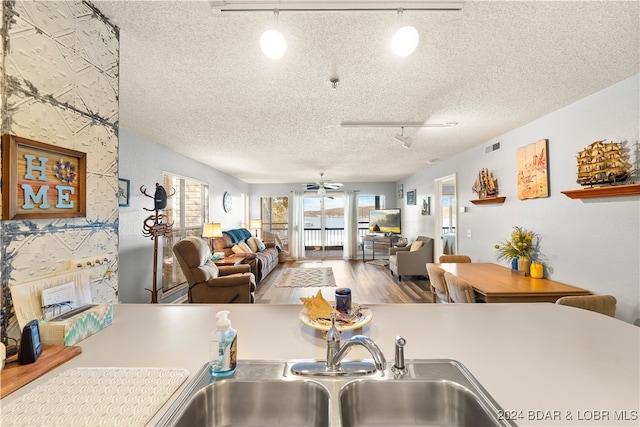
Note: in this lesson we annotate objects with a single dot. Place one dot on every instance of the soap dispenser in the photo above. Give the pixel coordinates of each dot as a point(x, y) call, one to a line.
point(223, 347)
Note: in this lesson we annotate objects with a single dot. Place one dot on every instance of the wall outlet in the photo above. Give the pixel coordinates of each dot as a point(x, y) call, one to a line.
point(468, 232)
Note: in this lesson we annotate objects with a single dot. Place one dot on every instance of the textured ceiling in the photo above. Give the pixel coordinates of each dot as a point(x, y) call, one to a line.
point(198, 83)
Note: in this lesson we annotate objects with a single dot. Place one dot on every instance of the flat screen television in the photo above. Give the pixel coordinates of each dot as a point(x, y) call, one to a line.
point(385, 221)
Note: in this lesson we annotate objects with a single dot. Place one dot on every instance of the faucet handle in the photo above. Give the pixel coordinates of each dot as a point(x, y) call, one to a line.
point(398, 367)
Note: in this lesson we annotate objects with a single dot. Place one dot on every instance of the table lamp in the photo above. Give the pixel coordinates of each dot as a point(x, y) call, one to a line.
point(256, 223)
point(212, 230)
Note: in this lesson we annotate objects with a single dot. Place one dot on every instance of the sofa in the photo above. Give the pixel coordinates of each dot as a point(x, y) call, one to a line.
point(239, 242)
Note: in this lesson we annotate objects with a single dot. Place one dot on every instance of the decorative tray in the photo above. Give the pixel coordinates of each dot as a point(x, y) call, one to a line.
point(363, 316)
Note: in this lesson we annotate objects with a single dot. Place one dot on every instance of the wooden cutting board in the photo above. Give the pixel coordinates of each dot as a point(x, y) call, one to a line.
point(15, 375)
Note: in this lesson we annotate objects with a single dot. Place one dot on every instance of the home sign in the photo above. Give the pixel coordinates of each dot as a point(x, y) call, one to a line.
point(41, 180)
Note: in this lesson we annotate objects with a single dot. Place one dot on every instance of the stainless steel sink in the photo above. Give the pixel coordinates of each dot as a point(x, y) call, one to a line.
point(412, 403)
point(265, 393)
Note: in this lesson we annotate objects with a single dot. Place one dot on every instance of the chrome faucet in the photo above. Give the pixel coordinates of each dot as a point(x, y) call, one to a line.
point(336, 352)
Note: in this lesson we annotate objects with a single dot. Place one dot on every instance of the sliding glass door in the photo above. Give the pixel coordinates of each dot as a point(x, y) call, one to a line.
point(324, 226)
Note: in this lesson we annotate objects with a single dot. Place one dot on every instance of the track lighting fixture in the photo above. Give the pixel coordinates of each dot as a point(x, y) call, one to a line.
point(405, 40)
point(272, 42)
point(406, 140)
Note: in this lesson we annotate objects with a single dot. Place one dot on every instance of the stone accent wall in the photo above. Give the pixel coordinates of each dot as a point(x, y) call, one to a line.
point(59, 85)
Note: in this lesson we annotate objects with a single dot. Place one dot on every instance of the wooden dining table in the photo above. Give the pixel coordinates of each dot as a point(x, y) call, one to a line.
point(496, 283)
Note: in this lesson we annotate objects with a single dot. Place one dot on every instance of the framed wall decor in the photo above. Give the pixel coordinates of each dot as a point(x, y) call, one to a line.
point(426, 206)
point(400, 191)
point(42, 180)
point(533, 173)
point(124, 187)
point(411, 197)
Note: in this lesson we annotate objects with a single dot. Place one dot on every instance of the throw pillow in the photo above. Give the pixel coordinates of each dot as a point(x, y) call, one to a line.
point(260, 243)
point(416, 245)
point(245, 247)
point(252, 244)
point(237, 249)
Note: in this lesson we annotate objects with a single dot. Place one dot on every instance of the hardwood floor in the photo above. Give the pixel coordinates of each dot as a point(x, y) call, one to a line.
point(369, 283)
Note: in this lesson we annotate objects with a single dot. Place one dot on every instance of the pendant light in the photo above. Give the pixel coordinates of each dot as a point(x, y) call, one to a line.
point(272, 42)
point(405, 40)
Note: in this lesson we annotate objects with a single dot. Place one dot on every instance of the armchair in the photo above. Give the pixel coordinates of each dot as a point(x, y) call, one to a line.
point(411, 260)
point(209, 283)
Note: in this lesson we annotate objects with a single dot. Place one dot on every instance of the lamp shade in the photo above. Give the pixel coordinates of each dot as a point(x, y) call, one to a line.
point(322, 192)
point(212, 229)
point(255, 223)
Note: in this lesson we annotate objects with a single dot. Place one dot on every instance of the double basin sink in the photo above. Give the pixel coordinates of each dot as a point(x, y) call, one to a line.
point(265, 393)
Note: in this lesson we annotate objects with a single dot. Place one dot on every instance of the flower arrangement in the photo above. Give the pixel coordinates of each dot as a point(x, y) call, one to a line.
point(523, 244)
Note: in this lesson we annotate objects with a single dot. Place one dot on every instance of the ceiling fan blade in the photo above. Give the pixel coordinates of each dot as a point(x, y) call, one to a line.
point(333, 186)
point(311, 186)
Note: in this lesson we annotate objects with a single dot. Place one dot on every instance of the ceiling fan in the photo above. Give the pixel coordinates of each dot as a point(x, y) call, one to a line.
point(323, 185)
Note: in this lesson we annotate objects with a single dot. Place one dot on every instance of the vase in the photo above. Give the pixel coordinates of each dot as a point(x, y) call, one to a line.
point(524, 265)
point(537, 270)
point(514, 264)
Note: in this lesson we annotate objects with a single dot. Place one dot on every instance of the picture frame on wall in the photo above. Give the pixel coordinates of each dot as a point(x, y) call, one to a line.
point(426, 206)
point(400, 191)
point(533, 170)
point(124, 187)
point(41, 180)
point(411, 197)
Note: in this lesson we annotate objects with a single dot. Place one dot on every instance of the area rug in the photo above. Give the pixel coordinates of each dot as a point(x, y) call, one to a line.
point(307, 277)
point(382, 262)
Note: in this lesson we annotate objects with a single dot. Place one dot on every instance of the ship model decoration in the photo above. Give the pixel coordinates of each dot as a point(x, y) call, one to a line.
point(603, 163)
point(486, 186)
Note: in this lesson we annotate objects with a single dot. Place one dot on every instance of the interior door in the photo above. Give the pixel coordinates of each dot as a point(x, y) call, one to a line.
point(446, 216)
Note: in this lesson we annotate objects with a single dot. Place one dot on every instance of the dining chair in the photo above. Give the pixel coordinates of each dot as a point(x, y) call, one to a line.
point(438, 286)
point(454, 258)
point(605, 304)
point(460, 291)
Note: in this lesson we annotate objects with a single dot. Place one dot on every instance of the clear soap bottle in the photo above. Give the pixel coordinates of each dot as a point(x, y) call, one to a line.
point(223, 347)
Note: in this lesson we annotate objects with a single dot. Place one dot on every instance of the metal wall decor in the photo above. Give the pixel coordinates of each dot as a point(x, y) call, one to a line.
point(155, 226)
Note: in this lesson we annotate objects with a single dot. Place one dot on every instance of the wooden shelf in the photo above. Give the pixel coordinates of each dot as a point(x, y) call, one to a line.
point(598, 192)
point(488, 200)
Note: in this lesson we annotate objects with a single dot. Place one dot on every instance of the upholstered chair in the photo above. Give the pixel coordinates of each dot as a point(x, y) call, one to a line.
point(460, 291)
point(605, 304)
point(411, 260)
point(209, 283)
point(438, 285)
point(454, 258)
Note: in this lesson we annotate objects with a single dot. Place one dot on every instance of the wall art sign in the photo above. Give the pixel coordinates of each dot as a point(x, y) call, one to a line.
point(533, 173)
point(411, 197)
point(42, 180)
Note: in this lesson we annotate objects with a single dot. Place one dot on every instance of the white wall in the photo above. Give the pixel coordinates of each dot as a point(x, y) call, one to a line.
point(593, 244)
point(143, 162)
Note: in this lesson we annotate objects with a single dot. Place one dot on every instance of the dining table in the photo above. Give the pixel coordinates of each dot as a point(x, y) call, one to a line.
point(496, 283)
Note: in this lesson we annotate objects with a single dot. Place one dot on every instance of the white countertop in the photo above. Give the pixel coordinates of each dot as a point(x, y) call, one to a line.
point(530, 357)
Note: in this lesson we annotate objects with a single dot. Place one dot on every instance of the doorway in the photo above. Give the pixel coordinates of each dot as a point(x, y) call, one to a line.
point(323, 226)
point(446, 208)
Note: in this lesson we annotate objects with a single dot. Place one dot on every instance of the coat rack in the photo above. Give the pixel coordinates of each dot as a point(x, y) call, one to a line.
point(155, 226)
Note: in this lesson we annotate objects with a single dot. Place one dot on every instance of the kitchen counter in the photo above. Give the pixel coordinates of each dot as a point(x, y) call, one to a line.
point(546, 364)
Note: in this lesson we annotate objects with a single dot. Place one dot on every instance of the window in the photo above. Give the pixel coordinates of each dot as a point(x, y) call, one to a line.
point(274, 214)
point(365, 204)
point(187, 209)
